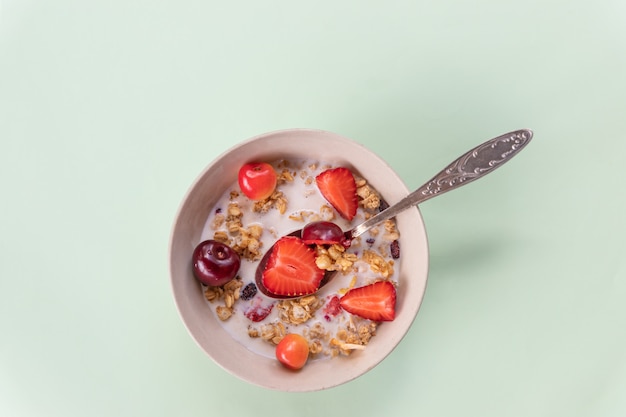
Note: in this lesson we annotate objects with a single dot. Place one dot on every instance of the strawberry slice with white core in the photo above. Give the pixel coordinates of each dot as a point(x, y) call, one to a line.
point(338, 187)
point(376, 302)
point(291, 268)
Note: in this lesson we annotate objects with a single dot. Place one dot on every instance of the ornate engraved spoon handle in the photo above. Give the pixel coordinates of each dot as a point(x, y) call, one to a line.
point(472, 165)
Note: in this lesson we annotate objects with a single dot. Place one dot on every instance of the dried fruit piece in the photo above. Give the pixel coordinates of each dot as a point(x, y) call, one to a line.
point(291, 268)
point(395, 249)
point(376, 302)
point(338, 187)
point(258, 311)
point(332, 308)
point(248, 292)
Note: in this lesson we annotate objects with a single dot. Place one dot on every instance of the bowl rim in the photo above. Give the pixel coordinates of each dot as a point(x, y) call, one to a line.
point(412, 310)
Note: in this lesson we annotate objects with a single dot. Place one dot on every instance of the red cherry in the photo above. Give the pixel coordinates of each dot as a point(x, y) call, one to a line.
point(293, 351)
point(257, 180)
point(324, 233)
point(215, 263)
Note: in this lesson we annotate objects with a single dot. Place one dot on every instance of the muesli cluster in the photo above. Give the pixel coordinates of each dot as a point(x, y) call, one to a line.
point(268, 202)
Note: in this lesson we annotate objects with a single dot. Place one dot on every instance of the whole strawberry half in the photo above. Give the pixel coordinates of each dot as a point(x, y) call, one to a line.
point(291, 268)
point(338, 187)
point(376, 302)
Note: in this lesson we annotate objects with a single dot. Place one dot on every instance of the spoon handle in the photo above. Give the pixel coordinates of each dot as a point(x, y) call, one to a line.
point(472, 165)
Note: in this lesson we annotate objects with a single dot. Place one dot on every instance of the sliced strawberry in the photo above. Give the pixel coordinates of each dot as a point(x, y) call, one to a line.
point(291, 268)
point(338, 187)
point(376, 302)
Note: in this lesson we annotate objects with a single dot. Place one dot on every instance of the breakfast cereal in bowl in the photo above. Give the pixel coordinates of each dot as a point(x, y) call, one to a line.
point(267, 281)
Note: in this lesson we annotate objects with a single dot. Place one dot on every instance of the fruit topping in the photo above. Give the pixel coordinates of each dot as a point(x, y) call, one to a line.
point(215, 263)
point(338, 187)
point(257, 180)
point(291, 269)
point(293, 351)
point(332, 308)
point(257, 310)
point(248, 292)
point(322, 233)
point(395, 249)
point(376, 302)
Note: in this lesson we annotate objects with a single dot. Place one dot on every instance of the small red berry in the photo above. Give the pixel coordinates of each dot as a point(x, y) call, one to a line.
point(257, 180)
point(293, 351)
point(215, 263)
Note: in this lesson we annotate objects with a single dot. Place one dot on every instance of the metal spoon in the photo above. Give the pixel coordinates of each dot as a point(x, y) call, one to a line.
point(471, 166)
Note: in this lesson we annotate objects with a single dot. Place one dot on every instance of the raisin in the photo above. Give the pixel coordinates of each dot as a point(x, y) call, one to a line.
point(383, 205)
point(395, 249)
point(370, 241)
point(248, 292)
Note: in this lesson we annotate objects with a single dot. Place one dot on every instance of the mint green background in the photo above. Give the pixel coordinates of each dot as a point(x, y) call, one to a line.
point(110, 109)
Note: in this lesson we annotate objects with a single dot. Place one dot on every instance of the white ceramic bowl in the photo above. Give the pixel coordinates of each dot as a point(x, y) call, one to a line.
point(195, 312)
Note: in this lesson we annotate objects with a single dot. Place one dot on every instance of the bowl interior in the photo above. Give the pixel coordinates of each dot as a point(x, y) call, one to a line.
point(186, 233)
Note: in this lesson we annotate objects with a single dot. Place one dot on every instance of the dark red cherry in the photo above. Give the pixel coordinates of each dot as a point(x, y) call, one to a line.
point(322, 233)
point(215, 263)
